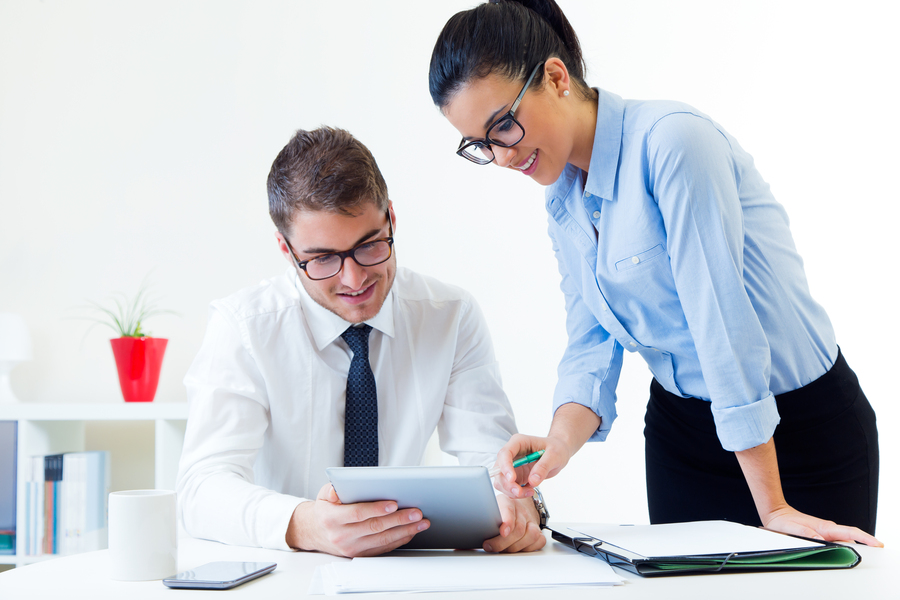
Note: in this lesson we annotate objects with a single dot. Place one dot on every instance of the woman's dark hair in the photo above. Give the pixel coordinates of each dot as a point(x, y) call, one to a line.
point(503, 37)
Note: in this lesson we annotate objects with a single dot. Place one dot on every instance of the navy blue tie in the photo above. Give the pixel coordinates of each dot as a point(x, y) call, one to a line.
point(361, 411)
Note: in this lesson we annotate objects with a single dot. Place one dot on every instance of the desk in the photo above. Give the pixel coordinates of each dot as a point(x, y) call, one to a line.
point(86, 576)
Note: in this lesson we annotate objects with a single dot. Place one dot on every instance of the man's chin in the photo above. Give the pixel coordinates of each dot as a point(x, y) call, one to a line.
point(353, 313)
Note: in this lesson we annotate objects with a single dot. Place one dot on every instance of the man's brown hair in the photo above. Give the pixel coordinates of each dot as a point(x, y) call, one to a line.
point(325, 169)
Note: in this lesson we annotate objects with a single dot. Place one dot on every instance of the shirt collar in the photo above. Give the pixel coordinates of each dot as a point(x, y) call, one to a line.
point(601, 179)
point(326, 326)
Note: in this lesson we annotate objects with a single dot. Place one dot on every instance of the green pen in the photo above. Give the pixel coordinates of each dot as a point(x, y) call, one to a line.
point(519, 462)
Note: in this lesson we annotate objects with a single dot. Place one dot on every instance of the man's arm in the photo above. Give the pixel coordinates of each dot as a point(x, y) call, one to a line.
point(226, 428)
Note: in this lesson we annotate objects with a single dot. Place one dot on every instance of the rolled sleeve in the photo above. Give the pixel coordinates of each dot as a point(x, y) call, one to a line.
point(747, 426)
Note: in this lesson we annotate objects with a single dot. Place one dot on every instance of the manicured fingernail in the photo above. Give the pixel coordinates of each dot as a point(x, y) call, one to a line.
point(487, 547)
point(390, 508)
point(423, 526)
point(415, 516)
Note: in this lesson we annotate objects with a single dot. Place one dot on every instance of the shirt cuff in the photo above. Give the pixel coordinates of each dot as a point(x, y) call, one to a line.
point(590, 392)
point(273, 517)
point(748, 426)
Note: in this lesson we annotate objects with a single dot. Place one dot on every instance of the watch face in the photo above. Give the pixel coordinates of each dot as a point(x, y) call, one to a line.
point(541, 507)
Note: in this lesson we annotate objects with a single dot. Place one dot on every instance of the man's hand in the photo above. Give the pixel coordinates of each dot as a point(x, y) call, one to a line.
point(363, 529)
point(520, 530)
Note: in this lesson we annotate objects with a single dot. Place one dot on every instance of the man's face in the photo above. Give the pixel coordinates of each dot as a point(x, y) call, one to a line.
point(356, 293)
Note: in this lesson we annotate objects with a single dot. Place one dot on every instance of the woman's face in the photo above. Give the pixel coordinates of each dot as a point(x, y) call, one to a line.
point(544, 151)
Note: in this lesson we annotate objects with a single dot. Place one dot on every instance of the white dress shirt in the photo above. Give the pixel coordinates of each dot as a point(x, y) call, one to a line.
point(267, 390)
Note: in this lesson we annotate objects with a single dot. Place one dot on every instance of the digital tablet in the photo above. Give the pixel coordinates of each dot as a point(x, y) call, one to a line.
point(459, 501)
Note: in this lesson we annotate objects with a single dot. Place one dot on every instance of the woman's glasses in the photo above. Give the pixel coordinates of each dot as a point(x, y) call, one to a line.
point(505, 132)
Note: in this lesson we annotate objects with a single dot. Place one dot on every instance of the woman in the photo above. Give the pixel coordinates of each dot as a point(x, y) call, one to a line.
point(670, 244)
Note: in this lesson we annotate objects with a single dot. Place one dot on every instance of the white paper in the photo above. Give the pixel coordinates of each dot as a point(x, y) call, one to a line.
point(460, 573)
point(691, 539)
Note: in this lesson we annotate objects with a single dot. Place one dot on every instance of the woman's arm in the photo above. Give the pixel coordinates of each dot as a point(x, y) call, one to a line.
point(760, 467)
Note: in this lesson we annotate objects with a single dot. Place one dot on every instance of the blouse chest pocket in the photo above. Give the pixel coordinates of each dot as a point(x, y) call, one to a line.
point(636, 260)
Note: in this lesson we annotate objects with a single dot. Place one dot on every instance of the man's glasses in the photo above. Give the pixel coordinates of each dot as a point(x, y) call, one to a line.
point(505, 132)
point(367, 254)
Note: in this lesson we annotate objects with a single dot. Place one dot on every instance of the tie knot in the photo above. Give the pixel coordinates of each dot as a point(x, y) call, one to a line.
point(358, 339)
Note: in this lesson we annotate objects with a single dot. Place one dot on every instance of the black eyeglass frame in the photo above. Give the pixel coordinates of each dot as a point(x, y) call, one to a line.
point(486, 142)
point(351, 253)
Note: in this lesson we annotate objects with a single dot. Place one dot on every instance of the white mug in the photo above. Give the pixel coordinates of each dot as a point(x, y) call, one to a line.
point(142, 529)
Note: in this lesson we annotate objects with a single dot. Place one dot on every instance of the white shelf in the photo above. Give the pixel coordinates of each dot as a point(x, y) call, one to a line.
point(107, 411)
point(51, 428)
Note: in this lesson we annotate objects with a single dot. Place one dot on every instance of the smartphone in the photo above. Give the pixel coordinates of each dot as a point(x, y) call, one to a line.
point(220, 575)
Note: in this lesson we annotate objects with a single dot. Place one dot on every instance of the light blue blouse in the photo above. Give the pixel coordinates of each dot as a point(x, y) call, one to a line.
point(673, 246)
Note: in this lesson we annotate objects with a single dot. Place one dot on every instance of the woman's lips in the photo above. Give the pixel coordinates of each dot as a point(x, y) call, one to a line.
point(529, 165)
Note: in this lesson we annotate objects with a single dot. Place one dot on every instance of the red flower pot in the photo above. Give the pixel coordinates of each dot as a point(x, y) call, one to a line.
point(139, 361)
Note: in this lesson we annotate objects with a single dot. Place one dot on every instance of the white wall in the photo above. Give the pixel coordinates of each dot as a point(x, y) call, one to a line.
point(136, 137)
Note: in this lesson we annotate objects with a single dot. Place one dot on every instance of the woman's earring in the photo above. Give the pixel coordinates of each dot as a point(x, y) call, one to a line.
point(565, 92)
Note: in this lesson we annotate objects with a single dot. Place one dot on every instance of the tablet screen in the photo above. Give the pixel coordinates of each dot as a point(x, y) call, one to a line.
point(459, 501)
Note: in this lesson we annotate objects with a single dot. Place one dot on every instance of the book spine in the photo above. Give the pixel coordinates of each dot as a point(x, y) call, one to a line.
point(36, 523)
point(53, 473)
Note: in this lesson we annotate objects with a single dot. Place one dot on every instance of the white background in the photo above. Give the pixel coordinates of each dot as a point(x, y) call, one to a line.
point(135, 139)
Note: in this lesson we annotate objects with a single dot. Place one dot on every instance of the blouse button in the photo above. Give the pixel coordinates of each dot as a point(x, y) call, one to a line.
point(596, 214)
point(635, 259)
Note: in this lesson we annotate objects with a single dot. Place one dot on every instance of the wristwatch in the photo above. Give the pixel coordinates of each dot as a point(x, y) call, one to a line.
point(541, 507)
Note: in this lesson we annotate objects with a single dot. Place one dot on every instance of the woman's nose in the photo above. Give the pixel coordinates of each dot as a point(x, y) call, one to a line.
point(502, 156)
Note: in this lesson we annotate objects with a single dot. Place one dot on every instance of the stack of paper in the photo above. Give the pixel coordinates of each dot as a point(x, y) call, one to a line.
point(460, 573)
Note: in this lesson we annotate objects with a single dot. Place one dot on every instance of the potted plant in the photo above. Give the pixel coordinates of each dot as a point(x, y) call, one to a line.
point(138, 355)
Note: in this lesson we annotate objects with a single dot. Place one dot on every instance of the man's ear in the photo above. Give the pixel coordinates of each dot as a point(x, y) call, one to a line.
point(283, 247)
point(393, 216)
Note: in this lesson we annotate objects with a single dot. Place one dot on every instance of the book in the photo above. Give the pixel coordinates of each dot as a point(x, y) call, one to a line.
point(8, 441)
point(34, 506)
point(67, 503)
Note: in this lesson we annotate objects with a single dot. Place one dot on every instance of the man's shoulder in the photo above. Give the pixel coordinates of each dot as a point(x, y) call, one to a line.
point(267, 297)
point(411, 286)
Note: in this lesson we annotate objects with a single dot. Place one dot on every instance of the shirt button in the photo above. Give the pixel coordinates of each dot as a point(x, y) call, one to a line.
point(596, 214)
point(635, 259)
point(632, 344)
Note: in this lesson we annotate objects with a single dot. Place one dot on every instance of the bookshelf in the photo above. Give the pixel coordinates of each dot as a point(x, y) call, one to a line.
point(45, 428)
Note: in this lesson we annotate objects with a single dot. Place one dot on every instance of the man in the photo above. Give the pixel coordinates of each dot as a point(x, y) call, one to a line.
point(282, 387)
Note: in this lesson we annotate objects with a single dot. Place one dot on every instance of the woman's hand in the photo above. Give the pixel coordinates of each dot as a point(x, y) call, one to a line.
point(760, 467)
point(520, 482)
point(791, 521)
point(573, 424)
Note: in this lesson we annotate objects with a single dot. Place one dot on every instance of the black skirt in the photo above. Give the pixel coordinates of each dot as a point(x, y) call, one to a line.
point(826, 442)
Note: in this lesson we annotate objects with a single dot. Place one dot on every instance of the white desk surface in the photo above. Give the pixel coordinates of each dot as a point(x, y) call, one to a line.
point(86, 576)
